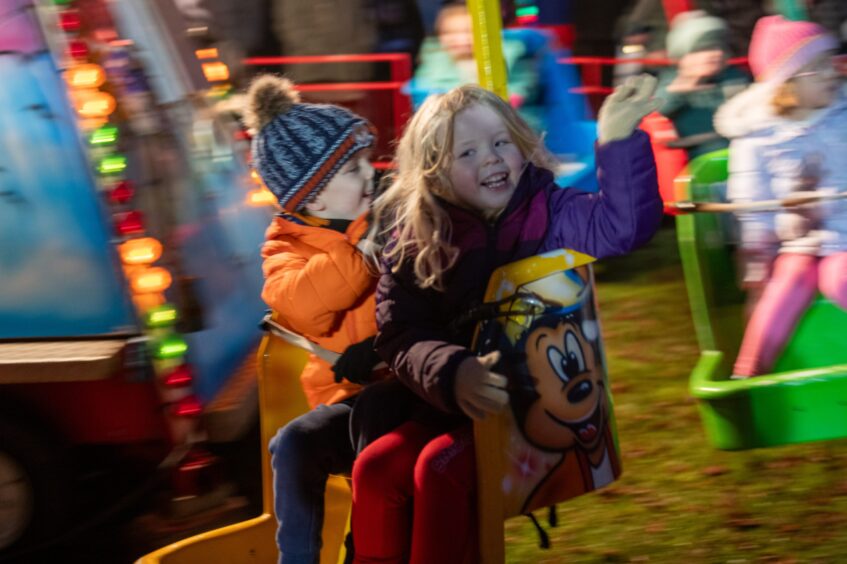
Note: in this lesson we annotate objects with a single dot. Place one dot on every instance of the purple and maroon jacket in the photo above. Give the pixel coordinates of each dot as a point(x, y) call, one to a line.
point(414, 335)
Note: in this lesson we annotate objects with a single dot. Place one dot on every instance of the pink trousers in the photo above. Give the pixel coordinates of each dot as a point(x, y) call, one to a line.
point(793, 285)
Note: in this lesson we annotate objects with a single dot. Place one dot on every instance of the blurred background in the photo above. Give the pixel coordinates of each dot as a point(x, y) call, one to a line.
point(130, 275)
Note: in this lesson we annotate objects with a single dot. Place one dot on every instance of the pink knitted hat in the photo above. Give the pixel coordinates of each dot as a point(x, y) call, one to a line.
point(779, 47)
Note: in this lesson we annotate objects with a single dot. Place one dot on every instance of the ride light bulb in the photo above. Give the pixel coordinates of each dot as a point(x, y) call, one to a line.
point(145, 250)
point(151, 280)
point(172, 346)
point(69, 21)
point(161, 316)
point(129, 223)
point(78, 49)
point(122, 193)
point(85, 76)
point(188, 406)
point(179, 376)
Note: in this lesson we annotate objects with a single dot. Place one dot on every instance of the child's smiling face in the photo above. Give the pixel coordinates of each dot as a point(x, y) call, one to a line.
point(486, 163)
point(348, 195)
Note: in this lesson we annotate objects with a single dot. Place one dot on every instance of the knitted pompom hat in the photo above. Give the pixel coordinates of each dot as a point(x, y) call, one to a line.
point(297, 148)
point(779, 47)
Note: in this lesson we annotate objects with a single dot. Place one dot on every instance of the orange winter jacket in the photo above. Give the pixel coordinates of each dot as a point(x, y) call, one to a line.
point(319, 285)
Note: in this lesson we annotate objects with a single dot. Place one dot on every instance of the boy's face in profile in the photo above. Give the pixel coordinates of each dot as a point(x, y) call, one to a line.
point(455, 33)
point(348, 195)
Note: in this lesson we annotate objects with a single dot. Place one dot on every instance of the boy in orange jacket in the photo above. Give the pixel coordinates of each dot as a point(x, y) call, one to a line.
point(314, 158)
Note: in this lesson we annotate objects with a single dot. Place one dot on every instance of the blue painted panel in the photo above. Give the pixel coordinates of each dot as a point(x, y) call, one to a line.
point(222, 249)
point(59, 275)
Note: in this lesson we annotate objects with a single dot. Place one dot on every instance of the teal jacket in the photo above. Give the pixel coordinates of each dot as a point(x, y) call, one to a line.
point(438, 72)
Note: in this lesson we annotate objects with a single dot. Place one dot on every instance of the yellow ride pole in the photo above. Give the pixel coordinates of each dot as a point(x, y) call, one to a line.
point(490, 434)
point(488, 45)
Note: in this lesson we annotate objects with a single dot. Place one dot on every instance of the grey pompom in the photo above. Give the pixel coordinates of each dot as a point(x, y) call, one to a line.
point(268, 97)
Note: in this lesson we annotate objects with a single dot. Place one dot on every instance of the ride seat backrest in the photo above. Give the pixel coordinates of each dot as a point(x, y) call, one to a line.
point(281, 399)
point(708, 258)
point(669, 160)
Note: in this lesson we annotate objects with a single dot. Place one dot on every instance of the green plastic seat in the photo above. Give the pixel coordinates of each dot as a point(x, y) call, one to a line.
point(805, 398)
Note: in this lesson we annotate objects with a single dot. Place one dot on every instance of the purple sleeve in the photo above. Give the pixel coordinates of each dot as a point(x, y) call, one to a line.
point(414, 343)
point(622, 216)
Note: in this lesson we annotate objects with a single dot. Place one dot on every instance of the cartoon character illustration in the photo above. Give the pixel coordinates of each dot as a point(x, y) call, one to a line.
point(570, 413)
point(558, 391)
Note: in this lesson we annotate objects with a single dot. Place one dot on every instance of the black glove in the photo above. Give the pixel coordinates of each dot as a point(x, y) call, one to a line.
point(356, 363)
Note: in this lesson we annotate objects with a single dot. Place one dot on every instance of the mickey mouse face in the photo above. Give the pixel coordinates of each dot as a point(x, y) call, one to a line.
point(563, 366)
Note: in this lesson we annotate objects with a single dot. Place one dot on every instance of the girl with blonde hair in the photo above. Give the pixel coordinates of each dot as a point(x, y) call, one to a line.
point(473, 191)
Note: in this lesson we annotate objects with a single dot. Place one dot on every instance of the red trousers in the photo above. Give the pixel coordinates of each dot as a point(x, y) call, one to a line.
point(414, 498)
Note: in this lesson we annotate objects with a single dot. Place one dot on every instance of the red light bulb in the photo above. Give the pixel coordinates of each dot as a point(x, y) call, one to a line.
point(122, 192)
point(69, 21)
point(129, 223)
point(77, 49)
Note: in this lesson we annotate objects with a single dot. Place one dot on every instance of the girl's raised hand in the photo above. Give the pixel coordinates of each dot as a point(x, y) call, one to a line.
point(478, 390)
point(624, 109)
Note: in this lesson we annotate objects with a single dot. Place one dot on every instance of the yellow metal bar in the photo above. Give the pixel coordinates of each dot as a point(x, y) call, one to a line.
point(489, 434)
point(488, 45)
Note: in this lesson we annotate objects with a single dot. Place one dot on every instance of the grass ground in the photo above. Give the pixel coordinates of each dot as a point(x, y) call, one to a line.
point(679, 499)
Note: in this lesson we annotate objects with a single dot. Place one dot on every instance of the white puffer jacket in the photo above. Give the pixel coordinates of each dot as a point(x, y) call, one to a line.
point(770, 157)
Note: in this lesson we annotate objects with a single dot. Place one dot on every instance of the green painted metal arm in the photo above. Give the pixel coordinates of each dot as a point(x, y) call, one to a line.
point(704, 387)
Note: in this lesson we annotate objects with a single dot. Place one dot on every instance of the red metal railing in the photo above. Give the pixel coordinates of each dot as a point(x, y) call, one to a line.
point(592, 69)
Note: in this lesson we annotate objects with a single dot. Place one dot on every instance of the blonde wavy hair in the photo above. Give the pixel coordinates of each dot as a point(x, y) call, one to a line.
point(408, 215)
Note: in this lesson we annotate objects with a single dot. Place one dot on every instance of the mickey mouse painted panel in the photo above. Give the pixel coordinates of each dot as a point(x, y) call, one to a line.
point(561, 440)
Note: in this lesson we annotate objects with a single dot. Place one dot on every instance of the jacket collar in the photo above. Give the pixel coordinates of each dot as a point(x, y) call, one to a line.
point(286, 223)
point(532, 180)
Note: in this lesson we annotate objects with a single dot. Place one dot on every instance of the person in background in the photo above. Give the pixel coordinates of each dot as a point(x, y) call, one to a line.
point(701, 81)
point(314, 159)
point(447, 61)
point(789, 139)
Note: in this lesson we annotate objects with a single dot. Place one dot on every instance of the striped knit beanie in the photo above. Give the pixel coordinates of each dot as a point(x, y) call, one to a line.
point(297, 148)
point(779, 48)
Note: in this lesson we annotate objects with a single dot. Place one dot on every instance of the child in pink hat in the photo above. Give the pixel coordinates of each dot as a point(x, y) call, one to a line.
point(789, 135)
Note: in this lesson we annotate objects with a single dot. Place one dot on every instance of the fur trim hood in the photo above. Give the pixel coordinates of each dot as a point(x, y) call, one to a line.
point(750, 111)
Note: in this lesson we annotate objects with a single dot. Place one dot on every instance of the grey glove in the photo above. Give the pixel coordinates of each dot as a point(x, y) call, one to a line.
point(624, 109)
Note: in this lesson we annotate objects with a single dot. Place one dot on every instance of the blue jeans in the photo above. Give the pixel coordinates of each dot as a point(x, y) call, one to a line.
point(303, 455)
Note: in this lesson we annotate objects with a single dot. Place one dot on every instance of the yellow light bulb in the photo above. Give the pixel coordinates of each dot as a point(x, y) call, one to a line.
point(94, 104)
point(145, 250)
point(216, 72)
point(85, 76)
point(151, 280)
